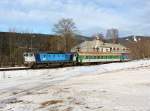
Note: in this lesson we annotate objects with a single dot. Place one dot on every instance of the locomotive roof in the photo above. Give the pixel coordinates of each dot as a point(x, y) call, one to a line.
point(50, 52)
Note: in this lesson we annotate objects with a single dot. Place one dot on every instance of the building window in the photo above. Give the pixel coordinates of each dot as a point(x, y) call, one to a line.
point(94, 49)
point(78, 49)
point(97, 49)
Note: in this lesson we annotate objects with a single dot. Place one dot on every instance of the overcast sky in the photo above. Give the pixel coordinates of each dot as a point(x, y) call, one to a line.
point(90, 16)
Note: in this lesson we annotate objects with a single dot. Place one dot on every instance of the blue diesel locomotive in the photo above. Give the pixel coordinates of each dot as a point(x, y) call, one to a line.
point(47, 59)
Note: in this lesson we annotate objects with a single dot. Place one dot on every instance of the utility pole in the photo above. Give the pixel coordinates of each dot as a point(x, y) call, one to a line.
point(32, 42)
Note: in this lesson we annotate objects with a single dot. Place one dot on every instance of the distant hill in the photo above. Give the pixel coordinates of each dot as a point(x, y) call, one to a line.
point(83, 38)
point(131, 39)
point(12, 34)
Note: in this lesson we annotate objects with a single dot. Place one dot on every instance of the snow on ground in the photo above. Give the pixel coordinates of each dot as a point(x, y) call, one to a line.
point(108, 87)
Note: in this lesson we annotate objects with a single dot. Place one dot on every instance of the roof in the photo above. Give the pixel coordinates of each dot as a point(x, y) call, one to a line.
point(89, 45)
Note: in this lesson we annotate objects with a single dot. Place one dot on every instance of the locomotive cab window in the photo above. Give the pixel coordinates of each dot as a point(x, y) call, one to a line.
point(25, 55)
point(30, 54)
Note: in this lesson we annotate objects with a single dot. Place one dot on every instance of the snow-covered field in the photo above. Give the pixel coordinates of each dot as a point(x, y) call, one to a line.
point(108, 87)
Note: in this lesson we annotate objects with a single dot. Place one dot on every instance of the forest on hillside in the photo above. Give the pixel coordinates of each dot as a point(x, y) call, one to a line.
point(13, 45)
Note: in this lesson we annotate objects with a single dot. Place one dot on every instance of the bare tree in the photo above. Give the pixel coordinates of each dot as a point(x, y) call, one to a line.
point(66, 29)
point(139, 49)
point(65, 26)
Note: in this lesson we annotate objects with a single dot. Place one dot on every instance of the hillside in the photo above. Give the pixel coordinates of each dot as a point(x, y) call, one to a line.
point(129, 39)
point(12, 45)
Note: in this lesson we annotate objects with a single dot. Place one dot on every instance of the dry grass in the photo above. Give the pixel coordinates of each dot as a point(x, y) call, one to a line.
point(51, 102)
point(68, 109)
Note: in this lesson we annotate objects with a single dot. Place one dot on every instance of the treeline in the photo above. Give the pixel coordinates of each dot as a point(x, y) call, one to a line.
point(13, 45)
point(140, 49)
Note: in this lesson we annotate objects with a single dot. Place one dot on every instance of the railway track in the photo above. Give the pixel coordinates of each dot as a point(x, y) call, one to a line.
point(14, 68)
point(52, 67)
point(29, 68)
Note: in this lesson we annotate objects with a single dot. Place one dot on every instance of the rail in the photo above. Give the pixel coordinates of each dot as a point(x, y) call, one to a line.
point(14, 68)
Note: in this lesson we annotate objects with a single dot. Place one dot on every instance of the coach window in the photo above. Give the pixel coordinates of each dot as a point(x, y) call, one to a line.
point(114, 48)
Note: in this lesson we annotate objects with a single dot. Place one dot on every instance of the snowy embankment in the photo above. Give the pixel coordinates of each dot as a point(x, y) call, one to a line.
point(74, 71)
point(11, 79)
point(108, 87)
